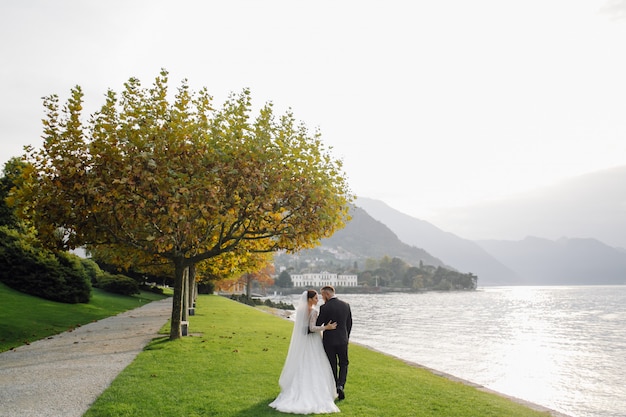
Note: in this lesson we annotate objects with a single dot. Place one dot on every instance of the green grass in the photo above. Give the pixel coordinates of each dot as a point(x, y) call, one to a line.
point(230, 365)
point(24, 318)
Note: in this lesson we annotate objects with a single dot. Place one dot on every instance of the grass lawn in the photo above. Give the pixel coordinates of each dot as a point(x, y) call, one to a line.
point(24, 318)
point(230, 365)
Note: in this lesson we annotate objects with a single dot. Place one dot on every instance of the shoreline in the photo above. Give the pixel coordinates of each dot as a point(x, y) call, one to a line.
point(285, 314)
point(534, 406)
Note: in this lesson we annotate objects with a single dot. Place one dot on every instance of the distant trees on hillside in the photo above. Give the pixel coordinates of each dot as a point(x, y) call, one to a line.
point(386, 272)
point(394, 272)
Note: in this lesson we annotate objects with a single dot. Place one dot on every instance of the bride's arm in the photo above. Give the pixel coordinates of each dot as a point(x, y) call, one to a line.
point(313, 327)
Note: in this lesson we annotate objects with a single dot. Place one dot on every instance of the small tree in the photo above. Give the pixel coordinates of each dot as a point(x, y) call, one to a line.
point(11, 178)
point(284, 280)
point(255, 267)
point(180, 182)
point(262, 276)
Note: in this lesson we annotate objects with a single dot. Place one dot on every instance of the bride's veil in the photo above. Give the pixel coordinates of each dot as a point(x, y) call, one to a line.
point(298, 339)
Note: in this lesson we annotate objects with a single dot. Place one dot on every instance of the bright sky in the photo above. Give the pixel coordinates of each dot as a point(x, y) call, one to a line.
point(430, 104)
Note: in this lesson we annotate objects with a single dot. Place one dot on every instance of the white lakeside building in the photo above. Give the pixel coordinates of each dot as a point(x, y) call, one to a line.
point(323, 278)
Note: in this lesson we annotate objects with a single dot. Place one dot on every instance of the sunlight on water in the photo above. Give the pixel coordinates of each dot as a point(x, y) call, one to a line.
point(527, 363)
point(561, 347)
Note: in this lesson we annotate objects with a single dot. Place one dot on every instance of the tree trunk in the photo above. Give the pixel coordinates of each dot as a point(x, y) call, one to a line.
point(192, 285)
point(248, 286)
point(177, 302)
point(185, 306)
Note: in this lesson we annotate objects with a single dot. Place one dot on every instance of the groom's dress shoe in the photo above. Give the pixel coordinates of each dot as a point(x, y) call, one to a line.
point(340, 393)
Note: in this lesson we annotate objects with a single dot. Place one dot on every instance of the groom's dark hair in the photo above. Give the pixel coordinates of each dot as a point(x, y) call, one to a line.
point(329, 288)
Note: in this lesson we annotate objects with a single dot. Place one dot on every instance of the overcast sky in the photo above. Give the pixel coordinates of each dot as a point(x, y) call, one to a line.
point(430, 104)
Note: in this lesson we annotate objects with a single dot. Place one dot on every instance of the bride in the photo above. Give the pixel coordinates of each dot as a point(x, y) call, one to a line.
point(307, 385)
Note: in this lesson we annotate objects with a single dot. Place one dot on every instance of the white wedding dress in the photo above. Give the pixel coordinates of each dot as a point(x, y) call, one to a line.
point(307, 385)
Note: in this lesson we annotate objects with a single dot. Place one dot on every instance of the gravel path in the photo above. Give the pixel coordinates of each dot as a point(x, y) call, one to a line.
point(63, 375)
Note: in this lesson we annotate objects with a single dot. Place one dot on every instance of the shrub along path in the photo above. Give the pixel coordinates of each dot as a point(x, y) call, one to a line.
point(64, 374)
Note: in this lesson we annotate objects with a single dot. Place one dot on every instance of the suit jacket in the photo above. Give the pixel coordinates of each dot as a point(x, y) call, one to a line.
point(337, 311)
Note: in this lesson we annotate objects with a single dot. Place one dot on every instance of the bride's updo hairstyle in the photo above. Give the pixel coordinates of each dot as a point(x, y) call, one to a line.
point(310, 294)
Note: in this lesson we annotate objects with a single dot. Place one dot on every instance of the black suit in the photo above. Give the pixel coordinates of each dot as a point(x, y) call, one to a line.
point(336, 341)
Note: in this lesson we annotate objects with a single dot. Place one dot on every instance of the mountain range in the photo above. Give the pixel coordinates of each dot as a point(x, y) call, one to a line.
point(566, 261)
point(363, 238)
point(591, 209)
point(462, 254)
point(531, 261)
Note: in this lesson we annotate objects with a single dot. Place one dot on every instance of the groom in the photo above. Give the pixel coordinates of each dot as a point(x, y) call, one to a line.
point(336, 342)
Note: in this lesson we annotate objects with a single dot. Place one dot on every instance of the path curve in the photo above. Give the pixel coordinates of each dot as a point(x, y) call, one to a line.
point(64, 374)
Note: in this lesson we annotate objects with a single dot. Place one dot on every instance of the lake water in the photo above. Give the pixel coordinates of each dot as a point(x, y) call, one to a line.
point(560, 347)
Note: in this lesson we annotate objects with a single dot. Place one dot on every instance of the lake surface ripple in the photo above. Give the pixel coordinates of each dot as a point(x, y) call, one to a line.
point(560, 347)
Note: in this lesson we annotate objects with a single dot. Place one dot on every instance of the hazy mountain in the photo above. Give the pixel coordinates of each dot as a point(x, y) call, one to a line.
point(591, 207)
point(561, 262)
point(362, 238)
point(371, 238)
point(587, 206)
point(464, 255)
point(531, 261)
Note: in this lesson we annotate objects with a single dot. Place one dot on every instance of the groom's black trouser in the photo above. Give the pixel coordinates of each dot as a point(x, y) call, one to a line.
point(338, 355)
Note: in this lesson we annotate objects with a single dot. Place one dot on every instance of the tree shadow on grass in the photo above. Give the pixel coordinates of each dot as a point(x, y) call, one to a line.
point(262, 409)
point(259, 409)
point(157, 343)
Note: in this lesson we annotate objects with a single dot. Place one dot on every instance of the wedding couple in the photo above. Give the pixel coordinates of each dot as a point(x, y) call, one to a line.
point(316, 367)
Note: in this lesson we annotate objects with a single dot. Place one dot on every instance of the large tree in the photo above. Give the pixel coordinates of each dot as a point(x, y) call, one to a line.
point(176, 179)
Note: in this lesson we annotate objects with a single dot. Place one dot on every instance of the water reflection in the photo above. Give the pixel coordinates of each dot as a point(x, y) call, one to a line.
point(562, 347)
